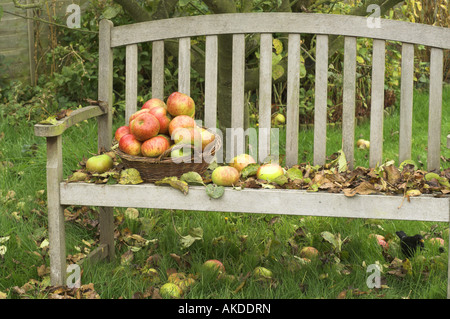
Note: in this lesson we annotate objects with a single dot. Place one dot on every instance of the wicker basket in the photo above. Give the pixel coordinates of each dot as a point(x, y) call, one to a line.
point(153, 169)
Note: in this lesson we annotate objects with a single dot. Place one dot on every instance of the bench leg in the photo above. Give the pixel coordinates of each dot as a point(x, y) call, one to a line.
point(56, 229)
point(106, 224)
point(448, 275)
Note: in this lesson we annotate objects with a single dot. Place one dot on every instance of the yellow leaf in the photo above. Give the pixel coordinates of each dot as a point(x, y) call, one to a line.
point(419, 6)
point(277, 71)
point(360, 59)
point(277, 45)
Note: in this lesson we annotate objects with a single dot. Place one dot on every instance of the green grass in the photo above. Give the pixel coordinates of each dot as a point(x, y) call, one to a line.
point(240, 241)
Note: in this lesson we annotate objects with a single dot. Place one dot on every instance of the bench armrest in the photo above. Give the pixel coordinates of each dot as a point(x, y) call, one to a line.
point(75, 117)
point(448, 141)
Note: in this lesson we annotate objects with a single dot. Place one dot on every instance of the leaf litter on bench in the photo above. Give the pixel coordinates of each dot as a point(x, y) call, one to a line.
point(334, 177)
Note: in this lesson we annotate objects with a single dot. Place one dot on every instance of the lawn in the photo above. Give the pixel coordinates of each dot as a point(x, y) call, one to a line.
point(149, 242)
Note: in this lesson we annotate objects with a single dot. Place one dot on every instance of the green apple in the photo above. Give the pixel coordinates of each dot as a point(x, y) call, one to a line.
point(262, 273)
point(279, 119)
point(170, 291)
point(99, 164)
point(269, 172)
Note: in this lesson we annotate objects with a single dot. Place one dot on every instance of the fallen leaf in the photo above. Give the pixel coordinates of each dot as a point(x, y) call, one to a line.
point(192, 178)
point(194, 235)
point(214, 191)
point(175, 183)
point(130, 176)
point(249, 170)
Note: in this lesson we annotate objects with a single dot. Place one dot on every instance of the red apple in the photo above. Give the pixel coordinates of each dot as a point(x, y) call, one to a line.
point(155, 146)
point(167, 137)
point(130, 145)
point(121, 131)
point(136, 114)
point(225, 176)
point(153, 102)
point(180, 121)
point(164, 119)
point(180, 104)
point(381, 240)
point(214, 264)
point(241, 161)
point(144, 126)
point(269, 171)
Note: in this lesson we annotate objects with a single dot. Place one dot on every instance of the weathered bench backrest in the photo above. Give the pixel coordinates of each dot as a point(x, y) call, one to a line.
point(294, 25)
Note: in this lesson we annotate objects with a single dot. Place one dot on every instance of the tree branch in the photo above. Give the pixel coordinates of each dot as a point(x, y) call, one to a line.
point(133, 8)
point(49, 22)
point(28, 6)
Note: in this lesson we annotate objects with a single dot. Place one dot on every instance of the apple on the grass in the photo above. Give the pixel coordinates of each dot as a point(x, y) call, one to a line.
point(155, 146)
point(170, 291)
point(99, 164)
point(279, 119)
point(241, 161)
point(309, 252)
point(214, 264)
point(144, 126)
point(130, 145)
point(180, 104)
point(121, 131)
point(154, 102)
point(225, 176)
point(262, 273)
point(180, 121)
point(269, 172)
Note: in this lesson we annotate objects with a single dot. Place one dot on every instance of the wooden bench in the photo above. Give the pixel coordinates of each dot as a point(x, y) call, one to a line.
point(147, 195)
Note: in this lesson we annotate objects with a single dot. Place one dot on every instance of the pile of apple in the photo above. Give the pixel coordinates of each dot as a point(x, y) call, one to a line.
point(230, 174)
point(157, 126)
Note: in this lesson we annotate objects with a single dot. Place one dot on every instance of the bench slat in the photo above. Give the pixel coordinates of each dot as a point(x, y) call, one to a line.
point(158, 69)
point(261, 22)
point(105, 84)
point(406, 101)
point(292, 102)
point(377, 105)
point(435, 109)
point(265, 95)
point(264, 201)
point(184, 65)
point(348, 107)
point(237, 101)
point(320, 101)
point(131, 82)
point(211, 60)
